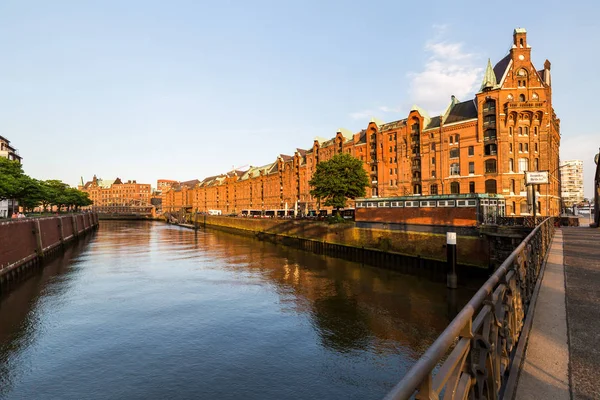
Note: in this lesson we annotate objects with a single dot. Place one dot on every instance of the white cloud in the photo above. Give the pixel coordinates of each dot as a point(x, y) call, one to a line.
point(450, 70)
point(362, 114)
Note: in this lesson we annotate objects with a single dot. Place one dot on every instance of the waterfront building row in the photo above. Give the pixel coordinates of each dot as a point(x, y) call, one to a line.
point(482, 145)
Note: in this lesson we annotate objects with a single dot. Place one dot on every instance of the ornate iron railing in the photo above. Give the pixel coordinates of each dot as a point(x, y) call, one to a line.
point(484, 335)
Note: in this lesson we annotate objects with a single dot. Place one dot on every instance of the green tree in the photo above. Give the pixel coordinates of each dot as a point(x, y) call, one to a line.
point(11, 175)
point(338, 179)
point(57, 193)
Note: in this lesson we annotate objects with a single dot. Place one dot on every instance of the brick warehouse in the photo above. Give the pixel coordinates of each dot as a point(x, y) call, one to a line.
point(111, 194)
point(482, 145)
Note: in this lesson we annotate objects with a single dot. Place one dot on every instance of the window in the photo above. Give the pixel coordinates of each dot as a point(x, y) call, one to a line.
point(433, 174)
point(489, 106)
point(536, 165)
point(489, 120)
point(522, 97)
point(520, 131)
point(490, 186)
point(489, 134)
point(433, 146)
point(454, 152)
point(455, 169)
point(455, 188)
point(490, 166)
point(471, 150)
point(520, 147)
point(490, 149)
point(471, 168)
point(523, 164)
point(524, 208)
point(451, 140)
point(456, 138)
point(432, 160)
point(471, 187)
point(526, 147)
point(513, 186)
point(535, 131)
point(526, 131)
point(417, 189)
point(535, 146)
point(391, 171)
point(510, 131)
point(433, 190)
point(510, 147)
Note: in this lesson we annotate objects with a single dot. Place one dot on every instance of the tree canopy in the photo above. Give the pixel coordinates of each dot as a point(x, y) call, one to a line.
point(31, 193)
point(338, 179)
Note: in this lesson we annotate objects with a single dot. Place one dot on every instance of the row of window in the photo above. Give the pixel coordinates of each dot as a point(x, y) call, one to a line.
point(418, 203)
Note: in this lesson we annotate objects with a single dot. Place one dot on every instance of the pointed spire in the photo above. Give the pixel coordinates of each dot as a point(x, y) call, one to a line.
point(489, 78)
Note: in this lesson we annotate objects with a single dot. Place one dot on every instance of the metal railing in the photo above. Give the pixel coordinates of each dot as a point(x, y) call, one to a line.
point(484, 335)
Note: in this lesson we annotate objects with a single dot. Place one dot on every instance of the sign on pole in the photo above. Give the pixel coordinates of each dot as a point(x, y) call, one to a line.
point(536, 177)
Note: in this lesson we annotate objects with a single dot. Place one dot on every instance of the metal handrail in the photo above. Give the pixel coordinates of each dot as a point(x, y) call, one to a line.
point(478, 365)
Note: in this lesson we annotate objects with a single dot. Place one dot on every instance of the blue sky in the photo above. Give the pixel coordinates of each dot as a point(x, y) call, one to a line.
point(186, 89)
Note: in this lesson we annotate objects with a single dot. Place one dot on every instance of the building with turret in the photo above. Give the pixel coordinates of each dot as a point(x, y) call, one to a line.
point(481, 145)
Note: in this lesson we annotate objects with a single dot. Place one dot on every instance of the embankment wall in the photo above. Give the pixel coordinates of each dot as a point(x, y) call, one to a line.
point(26, 242)
point(472, 250)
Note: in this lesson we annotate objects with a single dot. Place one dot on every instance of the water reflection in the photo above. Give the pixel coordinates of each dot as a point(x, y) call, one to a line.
point(159, 310)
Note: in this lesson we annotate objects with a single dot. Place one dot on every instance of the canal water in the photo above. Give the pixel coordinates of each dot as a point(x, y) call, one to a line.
point(143, 310)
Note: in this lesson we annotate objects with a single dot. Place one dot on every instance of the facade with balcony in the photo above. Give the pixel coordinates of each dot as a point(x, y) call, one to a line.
point(571, 188)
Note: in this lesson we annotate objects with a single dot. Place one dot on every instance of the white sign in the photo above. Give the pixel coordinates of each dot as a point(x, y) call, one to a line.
point(451, 238)
point(536, 178)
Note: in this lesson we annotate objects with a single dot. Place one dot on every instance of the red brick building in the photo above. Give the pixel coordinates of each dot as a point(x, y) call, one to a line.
point(117, 193)
point(481, 145)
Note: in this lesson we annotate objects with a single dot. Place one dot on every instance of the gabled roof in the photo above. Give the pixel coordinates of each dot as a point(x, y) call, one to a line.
point(433, 123)
point(191, 183)
point(286, 158)
point(392, 125)
point(117, 182)
point(500, 68)
point(461, 112)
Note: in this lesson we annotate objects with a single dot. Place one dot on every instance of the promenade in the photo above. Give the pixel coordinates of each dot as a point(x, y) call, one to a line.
point(562, 358)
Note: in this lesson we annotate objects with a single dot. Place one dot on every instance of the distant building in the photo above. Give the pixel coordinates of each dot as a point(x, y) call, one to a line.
point(117, 196)
point(571, 175)
point(8, 151)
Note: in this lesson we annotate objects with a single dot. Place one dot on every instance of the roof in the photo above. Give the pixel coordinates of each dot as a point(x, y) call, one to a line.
point(500, 68)
point(190, 183)
point(434, 122)
point(392, 125)
point(461, 112)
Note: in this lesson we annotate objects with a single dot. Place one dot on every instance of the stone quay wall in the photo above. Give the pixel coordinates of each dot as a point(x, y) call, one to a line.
point(25, 242)
point(472, 250)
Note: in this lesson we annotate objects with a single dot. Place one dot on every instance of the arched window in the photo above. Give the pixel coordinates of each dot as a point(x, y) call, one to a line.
point(491, 149)
point(510, 147)
point(433, 189)
point(455, 188)
point(511, 164)
point(520, 131)
point(535, 130)
point(490, 186)
point(490, 166)
point(521, 97)
point(526, 130)
point(489, 106)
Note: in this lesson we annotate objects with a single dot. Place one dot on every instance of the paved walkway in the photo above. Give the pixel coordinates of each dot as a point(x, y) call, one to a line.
point(562, 359)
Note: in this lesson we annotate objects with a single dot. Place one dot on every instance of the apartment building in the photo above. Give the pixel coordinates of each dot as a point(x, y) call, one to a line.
point(571, 173)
